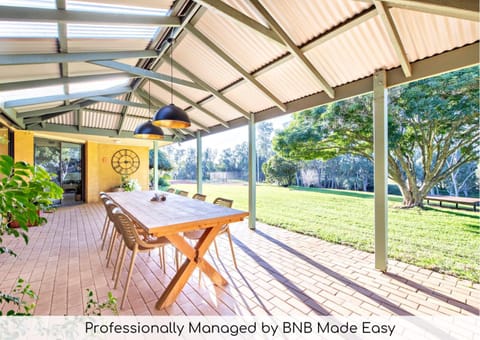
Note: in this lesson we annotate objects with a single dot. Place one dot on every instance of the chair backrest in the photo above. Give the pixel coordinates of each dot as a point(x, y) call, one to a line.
point(199, 197)
point(223, 202)
point(126, 228)
point(171, 190)
point(110, 206)
point(182, 193)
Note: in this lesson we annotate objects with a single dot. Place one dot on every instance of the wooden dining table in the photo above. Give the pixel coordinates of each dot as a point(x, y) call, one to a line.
point(170, 218)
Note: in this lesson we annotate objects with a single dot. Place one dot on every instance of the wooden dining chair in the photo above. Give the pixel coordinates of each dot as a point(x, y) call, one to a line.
point(196, 234)
point(133, 241)
point(182, 193)
point(171, 190)
point(115, 234)
point(199, 197)
point(107, 222)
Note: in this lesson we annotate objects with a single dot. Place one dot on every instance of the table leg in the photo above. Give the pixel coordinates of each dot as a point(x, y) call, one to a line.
point(195, 258)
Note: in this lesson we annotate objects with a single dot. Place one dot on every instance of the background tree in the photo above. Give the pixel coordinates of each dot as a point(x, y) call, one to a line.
point(429, 121)
point(280, 170)
point(163, 161)
point(264, 146)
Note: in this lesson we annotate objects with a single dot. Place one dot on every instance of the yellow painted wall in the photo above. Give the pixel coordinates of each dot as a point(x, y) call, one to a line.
point(4, 137)
point(23, 146)
point(100, 175)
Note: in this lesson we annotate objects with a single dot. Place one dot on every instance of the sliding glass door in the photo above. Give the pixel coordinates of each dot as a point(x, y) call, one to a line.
point(65, 160)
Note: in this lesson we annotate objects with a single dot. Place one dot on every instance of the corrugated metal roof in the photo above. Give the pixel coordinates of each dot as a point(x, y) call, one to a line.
point(342, 59)
point(361, 47)
point(12, 73)
point(105, 45)
point(203, 62)
point(95, 119)
point(39, 106)
point(69, 118)
point(424, 35)
point(28, 45)
point(254, 52)
point(304, 20)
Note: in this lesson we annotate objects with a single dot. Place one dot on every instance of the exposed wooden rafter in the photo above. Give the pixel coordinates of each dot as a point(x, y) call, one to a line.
point(9, 13)
point(61, 97)
point(62, 81)
point(247, 76)
point(238, 16)
point(294, 49)
point(49, 58)
point(209, 88)
point(387, 20)
point(144, 73)
point(460, 9)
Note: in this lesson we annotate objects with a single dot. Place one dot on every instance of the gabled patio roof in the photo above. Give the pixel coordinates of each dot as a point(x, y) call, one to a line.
point(231, 58)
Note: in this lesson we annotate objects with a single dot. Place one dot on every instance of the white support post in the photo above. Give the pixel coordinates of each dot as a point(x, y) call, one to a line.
point(380, 148)
point(252, 170)
point(199, 164)
point(155, 165)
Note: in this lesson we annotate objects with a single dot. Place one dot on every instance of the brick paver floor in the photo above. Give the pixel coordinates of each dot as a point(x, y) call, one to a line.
point(280, 273)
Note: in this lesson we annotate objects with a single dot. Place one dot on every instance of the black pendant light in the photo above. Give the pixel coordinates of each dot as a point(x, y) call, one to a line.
point(147, 130)
point(171, 116)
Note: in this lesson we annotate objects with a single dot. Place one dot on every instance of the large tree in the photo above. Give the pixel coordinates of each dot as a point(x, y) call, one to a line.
point(429, 121)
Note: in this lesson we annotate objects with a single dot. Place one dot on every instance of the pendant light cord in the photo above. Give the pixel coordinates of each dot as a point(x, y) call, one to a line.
point(149, 101)
point(170, 40)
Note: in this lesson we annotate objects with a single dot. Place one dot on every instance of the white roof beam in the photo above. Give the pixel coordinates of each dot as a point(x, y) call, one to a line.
point(236, 15)
point(192, 103)
point(42, 112)
point(48, 58)
point(293, 48)
point(9, 13)
point(62, 81)
point(117, 101)
point(207, 87)
point(387, 20)
point(145, 73)
point(247, 76)
point(460, 9)
point(61, 97)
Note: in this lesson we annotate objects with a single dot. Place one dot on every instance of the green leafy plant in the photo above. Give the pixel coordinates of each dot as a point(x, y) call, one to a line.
point(130, 184)
point(16, 298)
point(24, 191)
point(95, 307)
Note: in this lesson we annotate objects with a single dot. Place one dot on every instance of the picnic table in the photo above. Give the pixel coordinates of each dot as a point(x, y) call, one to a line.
point(453, 199)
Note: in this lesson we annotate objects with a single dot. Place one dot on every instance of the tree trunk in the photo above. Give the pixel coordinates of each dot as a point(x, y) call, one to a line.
point(411, 198)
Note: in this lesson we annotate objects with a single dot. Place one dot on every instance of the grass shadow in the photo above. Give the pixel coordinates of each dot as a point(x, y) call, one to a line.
point(447, 210)
point(472, 228)
point(364, 195)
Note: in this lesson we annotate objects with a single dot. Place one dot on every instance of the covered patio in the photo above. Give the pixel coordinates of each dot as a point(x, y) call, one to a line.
point(280, 273)
point(89, 74)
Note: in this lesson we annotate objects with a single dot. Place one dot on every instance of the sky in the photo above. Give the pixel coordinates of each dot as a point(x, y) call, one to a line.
point(232, 137)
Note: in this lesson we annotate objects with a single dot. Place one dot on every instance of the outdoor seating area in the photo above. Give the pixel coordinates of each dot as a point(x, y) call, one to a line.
point(279, 273)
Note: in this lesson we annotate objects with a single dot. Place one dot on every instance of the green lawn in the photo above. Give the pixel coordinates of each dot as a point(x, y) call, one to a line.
point(444, 240)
